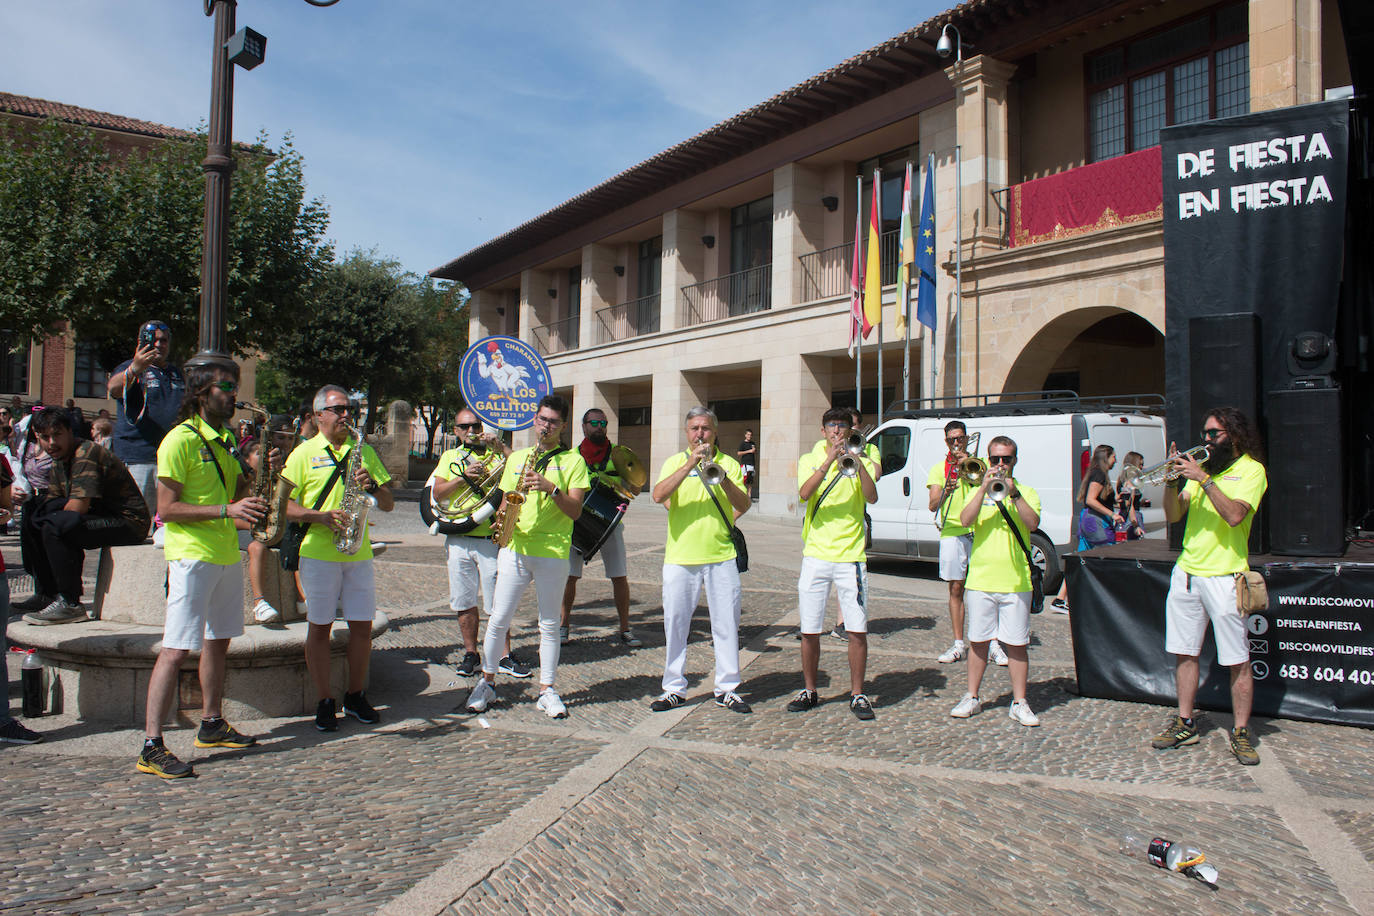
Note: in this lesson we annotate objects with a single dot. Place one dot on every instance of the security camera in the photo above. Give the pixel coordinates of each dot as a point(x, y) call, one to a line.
point(946, 46)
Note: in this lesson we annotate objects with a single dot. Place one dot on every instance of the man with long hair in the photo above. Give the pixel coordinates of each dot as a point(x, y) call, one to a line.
point(200, 494)
point(1219, 496)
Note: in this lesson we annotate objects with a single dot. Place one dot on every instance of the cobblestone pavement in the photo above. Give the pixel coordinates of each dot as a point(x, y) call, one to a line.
point(698, 810)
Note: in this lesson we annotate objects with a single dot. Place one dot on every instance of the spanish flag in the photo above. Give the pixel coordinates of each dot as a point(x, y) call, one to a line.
point(873, 277)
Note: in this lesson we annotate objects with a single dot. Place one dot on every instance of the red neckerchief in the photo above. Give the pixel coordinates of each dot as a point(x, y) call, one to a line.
point(595, 455)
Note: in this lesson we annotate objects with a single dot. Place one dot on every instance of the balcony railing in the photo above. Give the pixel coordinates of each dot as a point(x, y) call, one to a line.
point(825, 273)
point(741, 293)
point(629, 319)
point(557, 336)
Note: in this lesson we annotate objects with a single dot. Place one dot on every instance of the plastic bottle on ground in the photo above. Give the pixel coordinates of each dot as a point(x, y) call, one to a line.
point(1179, 857)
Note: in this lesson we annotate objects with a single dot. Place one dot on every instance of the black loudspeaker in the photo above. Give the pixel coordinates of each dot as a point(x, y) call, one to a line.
point(1306, 472)
point(1223, 367)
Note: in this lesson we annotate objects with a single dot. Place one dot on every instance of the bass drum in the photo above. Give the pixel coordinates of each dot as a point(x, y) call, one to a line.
point(602, 510)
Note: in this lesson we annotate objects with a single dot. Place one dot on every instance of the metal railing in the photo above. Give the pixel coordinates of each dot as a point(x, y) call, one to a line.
point(557, 336)
point(629, 319)
point(825, 273)
point(741, 293)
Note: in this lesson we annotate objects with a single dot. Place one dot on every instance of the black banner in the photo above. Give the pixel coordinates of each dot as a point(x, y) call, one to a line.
point(1312, 650)
point(1254, 222)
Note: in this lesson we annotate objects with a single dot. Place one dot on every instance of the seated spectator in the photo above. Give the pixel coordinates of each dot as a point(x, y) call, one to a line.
point(12, 731)
point(102, 432)
point(92, 501)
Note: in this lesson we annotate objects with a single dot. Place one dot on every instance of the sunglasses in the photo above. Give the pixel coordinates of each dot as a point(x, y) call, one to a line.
point(956, 439)
point(230, 387)
point(467, 426)
point(1212, 433)
point(338, 410)
point(1001, 459)
point(599, 424)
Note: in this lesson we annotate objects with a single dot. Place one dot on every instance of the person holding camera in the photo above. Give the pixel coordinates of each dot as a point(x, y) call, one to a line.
point(148, 391)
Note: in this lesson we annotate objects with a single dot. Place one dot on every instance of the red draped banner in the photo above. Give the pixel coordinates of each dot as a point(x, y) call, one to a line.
point(1114, 192)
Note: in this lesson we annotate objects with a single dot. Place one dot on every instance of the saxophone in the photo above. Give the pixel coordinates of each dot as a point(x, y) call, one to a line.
point(503, 522)
point(268, 486)
point(356, 502)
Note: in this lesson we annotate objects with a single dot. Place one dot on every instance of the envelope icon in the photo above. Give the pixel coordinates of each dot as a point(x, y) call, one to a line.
point(1259, 646)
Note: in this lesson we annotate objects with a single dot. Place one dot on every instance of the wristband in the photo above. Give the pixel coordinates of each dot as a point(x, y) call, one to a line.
point(554, 494)
point(224, 511)
point(1208, 483)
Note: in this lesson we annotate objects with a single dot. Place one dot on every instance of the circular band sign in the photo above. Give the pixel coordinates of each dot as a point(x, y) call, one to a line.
point(503, 379)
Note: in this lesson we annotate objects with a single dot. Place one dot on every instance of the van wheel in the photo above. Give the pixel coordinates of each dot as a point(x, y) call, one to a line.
point(1046, 557)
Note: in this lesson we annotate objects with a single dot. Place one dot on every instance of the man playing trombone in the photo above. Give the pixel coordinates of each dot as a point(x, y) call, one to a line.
point(1219, 498)
point(834, 486)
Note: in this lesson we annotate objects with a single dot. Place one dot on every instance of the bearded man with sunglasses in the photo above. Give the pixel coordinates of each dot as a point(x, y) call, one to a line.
point(1219, 496)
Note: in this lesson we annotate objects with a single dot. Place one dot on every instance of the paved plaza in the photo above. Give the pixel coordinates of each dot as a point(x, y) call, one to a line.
point(697, 810)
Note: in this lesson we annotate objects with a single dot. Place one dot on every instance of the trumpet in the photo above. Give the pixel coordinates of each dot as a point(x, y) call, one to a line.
point(1165, 471)
point(999, 489)
point(855, 442)
point(711, 473)
point(849, 465)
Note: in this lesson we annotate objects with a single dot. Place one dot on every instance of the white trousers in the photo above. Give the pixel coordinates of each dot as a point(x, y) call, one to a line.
point(514, 572)
point(682, 585)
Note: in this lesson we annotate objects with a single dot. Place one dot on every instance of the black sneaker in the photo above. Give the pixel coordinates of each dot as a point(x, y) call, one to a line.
point(222, 734)
point(159, 761)
point(840, 632)
point(733, 702)
point(512, 666)
point(666, 702)
point(805, 699)
point(469, 665)
point(356, 705)
point(860, 707)
point(35, 602)
point(326, 718)
point(14, 732)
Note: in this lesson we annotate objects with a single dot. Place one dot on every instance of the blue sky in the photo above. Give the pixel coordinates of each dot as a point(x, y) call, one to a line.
point(430, 127)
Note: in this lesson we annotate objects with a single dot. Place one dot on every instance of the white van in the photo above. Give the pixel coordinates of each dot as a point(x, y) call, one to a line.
point(1055, 434)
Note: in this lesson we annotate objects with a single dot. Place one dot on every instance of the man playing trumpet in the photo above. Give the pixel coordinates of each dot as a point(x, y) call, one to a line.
point(550, 482)
point(834, 486)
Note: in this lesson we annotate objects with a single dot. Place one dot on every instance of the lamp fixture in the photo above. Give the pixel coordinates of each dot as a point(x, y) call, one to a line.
point(246, 48)
point(553, 293)
point(709, 241)
point(620, 270)
point(830, 203)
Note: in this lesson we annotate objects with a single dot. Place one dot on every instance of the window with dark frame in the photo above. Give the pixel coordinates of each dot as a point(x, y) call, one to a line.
point(650, 267)
point(1192, 70)
point(14, 368)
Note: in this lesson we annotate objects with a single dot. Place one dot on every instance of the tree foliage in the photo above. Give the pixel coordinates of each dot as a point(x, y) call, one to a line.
point(105, 240)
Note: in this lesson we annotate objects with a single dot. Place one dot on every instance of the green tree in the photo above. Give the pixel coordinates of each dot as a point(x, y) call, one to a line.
point(432, 385)
point(105, 241)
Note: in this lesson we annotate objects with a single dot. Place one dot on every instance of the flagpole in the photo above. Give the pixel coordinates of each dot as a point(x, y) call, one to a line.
point(958, 276)
point(905, 304)
point(859, 362)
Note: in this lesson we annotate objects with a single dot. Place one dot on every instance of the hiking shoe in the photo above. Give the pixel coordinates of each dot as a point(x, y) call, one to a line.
point(357, 706)
point(265, 614)
point(1177, 733)
point(840, 632)
point(860, 707)
point(953, 654)
point(666, 702)
point(60, 610)
point(552, 705)
point(159, 761)
point(1059, 606)
point(1240, 746)
point(804, 700)
point(35, 602)
point(563, 633)
point(513, 666)
point(469, 665)
point(326, 715)
point(1020, 711)
point(996, 655)
point(222, 734)
point(480, 697)
point(968, 706)
point(14, 732)
point(628, 638)
point(733, 702)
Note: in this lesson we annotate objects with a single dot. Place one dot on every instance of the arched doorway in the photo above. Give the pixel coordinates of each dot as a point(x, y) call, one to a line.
point(1096, 352)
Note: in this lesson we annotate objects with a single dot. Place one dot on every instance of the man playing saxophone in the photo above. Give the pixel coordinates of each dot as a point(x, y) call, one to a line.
point(330, 579)
point(544, 486)
point(472, 555)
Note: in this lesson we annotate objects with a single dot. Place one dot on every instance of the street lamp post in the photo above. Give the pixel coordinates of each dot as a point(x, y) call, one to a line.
point(944, 48)
point(245, 48)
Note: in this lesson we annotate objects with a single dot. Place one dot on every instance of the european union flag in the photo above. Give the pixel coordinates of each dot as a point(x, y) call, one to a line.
point(925, 252)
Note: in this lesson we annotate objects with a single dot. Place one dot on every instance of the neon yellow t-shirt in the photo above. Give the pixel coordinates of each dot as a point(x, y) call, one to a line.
point(309, 467)
point(697, 533)
point(834, 532)
point(183, 457)
point(1210, 546)
point(541, 529)
point(958, 498)
point(450, 463)
point(997, 563)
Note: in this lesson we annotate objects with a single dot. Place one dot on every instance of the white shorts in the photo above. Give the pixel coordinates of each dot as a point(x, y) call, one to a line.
point(954, 553)
point(330, 585)
point(204, 601)
point(1004, 616)
point(471, 562)
point(851, 588)
point(612, 554)
point(1188, 608)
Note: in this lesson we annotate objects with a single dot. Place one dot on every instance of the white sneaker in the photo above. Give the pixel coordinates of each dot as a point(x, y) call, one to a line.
point(553, 706)
point(563, 635)
point(968, 706)
point(1021, 712)
point(264, 613)
point(996, 655)
point(480, 696)
point(953, 654)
